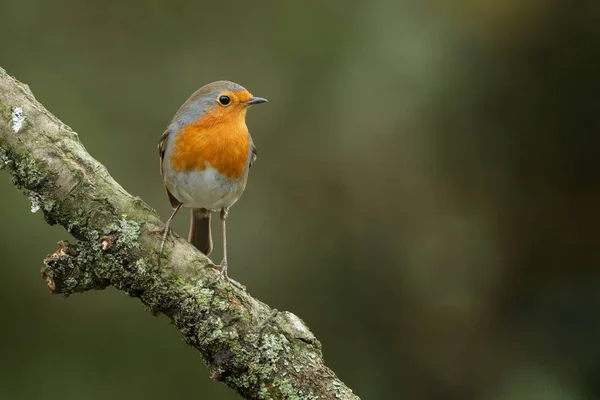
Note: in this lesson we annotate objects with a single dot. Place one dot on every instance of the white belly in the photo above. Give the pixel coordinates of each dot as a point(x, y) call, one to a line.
point(204, 189)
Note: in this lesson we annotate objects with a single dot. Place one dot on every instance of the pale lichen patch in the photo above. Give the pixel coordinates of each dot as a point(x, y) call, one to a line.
point(141, 266)
point(35, 203)
point(17, 119)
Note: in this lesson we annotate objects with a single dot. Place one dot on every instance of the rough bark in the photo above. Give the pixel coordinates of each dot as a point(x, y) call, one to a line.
point(259, 352)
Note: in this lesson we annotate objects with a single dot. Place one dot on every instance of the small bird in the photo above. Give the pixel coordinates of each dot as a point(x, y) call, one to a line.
point(205, 155)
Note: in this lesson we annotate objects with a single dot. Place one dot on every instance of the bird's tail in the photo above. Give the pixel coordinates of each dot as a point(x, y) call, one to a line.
point(200, 230)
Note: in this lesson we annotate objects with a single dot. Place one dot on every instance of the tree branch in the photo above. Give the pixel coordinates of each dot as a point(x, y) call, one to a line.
point(259, 352)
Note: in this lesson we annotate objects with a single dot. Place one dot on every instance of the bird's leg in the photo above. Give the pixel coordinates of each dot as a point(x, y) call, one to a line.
point(223, 266)
point(167, 230)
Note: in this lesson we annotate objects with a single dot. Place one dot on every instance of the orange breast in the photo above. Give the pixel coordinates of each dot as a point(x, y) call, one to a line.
point(219, 140)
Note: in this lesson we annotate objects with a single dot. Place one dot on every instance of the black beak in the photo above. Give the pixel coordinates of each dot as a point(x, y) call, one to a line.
point(255, 100)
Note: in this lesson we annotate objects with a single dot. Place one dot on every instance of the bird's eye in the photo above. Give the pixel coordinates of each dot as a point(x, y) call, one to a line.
point(224, 100)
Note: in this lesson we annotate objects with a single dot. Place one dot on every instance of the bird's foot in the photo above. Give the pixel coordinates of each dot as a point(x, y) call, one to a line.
point(222, 268)
point(167, 230)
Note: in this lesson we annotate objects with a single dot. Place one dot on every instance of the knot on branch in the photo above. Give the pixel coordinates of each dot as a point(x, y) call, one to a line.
point(64, 273)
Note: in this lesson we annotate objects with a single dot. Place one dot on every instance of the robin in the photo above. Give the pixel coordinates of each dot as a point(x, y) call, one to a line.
point(205, 155)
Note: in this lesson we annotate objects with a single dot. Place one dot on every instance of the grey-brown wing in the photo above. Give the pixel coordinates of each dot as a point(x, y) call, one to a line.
point(254, 155)
point(174, 202)
point(162, 143)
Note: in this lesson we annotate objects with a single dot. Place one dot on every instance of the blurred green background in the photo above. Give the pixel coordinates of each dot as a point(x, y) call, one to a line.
point(426, 195)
